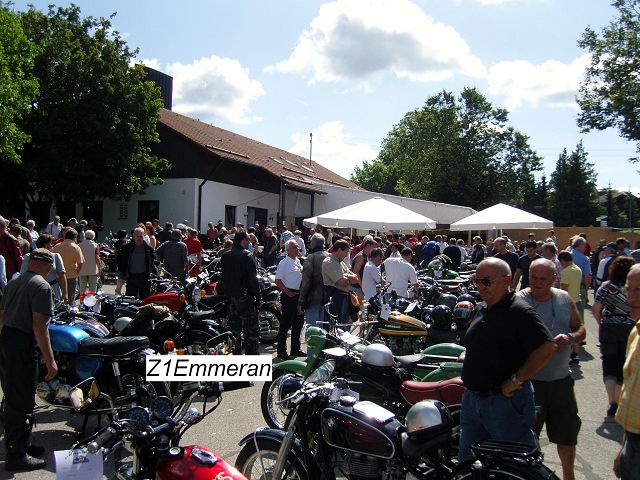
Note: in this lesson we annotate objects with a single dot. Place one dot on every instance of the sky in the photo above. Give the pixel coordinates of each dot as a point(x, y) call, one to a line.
point(349, 70)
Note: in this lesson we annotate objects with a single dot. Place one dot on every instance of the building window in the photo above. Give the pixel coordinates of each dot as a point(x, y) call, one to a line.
point(148, 210)
point(123, 212)
point(229, 215)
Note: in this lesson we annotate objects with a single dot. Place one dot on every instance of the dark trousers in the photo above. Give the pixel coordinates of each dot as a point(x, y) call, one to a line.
point(243, 322)
point(138, 285)
point(290, 320)
point(18, 375)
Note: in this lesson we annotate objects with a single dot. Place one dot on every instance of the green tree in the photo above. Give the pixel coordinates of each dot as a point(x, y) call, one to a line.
point(614, 218)
point(610, 93)
point(454, 150)
point(94, 119)
point(18, 86)
point(573, 199)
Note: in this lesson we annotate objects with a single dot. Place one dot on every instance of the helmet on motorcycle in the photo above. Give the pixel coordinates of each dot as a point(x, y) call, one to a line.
point(463, 310)
point(426, 314)
point(447, 299)
point(442, 317)
point(426, 417)
point(378, 355)
point(465, 297)
point(121, 323)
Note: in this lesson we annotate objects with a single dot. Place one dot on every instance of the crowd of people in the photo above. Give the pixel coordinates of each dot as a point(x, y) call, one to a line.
point(524, 336)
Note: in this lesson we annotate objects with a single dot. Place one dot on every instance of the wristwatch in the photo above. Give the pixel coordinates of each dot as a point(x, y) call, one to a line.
point(514, 379)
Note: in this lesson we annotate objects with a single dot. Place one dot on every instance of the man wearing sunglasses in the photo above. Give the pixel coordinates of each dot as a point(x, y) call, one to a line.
point(507, 343)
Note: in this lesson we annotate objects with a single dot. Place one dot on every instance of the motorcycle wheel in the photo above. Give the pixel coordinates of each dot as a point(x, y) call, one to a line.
point(275, 415)
point(269, 321)
point(256, 462)
point(499, 473)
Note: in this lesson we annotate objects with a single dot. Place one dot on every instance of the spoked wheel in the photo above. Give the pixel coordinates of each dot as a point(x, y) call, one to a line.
point(281, 386)
point(256, 462)
point(269, 321)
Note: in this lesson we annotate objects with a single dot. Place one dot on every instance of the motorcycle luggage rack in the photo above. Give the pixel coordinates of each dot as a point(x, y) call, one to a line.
point(513, 451)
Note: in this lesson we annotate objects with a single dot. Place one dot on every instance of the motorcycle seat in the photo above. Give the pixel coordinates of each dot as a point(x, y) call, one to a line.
point(201, 315)
point(112, 347)
point(448, 391)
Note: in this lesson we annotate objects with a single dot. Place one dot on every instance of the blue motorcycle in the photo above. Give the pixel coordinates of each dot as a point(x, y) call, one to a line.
point(117, 363)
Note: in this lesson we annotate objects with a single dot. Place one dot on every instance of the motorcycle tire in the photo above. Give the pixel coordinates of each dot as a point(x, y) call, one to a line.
point(252, 458)
point(275, 415)
point(272, 318)
point(506, 473)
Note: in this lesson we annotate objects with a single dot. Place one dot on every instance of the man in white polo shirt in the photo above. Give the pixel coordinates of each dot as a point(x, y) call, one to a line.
point(288, 278)
point(400, 273)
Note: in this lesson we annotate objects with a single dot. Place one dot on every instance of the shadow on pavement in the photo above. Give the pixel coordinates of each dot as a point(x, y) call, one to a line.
point(610, 430)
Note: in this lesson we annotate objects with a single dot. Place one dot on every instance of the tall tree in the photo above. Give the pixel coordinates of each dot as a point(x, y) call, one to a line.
point(454, 150)
point(18, 86)
point(94, 119)
point(610, 94)
point(613, 211)
point(573, 199)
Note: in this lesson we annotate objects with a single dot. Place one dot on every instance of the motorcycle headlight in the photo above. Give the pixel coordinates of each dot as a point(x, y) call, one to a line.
point(197, 293)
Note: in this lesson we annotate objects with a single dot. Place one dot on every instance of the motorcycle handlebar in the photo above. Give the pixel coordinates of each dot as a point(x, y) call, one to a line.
point(101, 440)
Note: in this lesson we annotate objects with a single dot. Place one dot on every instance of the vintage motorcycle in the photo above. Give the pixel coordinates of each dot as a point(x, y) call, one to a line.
point(153, 435)
point(330, 434)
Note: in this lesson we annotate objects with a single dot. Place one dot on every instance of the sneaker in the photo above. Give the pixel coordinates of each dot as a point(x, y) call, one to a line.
point(574, 359)
point(35, 450)
point(613, 408)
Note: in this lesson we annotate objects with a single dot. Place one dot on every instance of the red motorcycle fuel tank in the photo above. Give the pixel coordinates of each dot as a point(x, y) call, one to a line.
point(197, 463)
point(169, 299)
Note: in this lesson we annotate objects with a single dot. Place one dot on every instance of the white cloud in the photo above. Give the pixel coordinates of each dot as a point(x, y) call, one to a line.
point(332, 148)
point(356, 39)
point(151, 63)
point(551, 83)
point(493, 2)
point(214, 87)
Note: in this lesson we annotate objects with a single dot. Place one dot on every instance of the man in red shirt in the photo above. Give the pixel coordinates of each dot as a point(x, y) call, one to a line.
point(194, 251)
point(10, 250)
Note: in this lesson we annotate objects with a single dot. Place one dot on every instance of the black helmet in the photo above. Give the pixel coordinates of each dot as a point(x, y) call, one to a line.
point(465, 297)
point(447, 299)
point(442, 317)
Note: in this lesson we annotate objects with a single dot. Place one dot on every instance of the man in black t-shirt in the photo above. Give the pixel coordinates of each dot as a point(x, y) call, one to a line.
point(453, 252)
point(507, 343)
point(522, 267)
point(503, 253)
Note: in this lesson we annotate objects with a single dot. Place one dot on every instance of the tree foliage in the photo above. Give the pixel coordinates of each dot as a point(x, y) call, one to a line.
point(454, 150)
point(94, 119)
point(18, 86)
point(573, 197)
point(614, 214)
point(610, 94)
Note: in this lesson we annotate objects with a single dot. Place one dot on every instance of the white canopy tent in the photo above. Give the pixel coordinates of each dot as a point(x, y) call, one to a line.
point(373, 214)
point(501, 216)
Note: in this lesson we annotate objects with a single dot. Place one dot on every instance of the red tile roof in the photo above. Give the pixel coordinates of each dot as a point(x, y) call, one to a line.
point(292, 169)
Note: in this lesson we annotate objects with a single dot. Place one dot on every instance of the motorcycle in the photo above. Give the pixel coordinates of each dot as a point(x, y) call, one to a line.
point(153, 436)
point(118, 362)
point(330, 433)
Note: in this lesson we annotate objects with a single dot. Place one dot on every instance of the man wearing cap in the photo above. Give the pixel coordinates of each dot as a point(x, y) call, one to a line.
point(25, 310)
point(602, 274)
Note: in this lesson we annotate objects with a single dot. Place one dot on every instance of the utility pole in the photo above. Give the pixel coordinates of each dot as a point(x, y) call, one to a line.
point(311, 148)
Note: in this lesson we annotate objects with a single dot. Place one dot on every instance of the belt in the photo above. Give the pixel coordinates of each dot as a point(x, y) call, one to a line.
point(487, 393)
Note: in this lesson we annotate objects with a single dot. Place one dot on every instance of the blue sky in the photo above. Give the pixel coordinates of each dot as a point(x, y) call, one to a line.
point(276, 70)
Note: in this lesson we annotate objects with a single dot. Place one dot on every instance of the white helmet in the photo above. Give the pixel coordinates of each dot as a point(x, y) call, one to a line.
point(427, 416)
point(121, 323)
point(378, 355)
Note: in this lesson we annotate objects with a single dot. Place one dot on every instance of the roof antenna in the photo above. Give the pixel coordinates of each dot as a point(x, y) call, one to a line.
point(310, 148)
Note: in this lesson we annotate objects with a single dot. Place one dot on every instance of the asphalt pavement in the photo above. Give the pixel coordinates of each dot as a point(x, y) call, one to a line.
point(239, 414)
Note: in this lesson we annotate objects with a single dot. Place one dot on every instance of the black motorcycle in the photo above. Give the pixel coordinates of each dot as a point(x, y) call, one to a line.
point(329, 433)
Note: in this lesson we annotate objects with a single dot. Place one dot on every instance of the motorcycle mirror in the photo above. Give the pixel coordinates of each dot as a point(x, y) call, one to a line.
point(191, 416)
point(83, 394)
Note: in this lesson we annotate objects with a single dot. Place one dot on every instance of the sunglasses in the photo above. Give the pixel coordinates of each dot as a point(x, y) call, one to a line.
point(485, 281)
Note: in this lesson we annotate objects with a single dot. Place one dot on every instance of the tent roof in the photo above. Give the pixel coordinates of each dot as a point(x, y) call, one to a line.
point(501, 216)
point(374, 214)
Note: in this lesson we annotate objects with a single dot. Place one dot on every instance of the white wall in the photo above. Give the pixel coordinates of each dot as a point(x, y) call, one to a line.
point(177, 202)
point(216, 195)
point(297, 204)
point(338, 197)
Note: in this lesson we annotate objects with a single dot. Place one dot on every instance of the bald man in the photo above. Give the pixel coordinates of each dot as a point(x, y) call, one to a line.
point(553, 384)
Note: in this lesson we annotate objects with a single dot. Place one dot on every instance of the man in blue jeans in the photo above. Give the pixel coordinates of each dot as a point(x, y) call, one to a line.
point(507, 343)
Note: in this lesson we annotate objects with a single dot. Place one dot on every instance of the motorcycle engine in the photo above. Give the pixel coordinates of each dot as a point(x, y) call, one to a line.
point(363, 466)
point(406, 345)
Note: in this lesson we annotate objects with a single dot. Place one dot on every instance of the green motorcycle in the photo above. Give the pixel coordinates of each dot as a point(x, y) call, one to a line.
point(435, 363)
